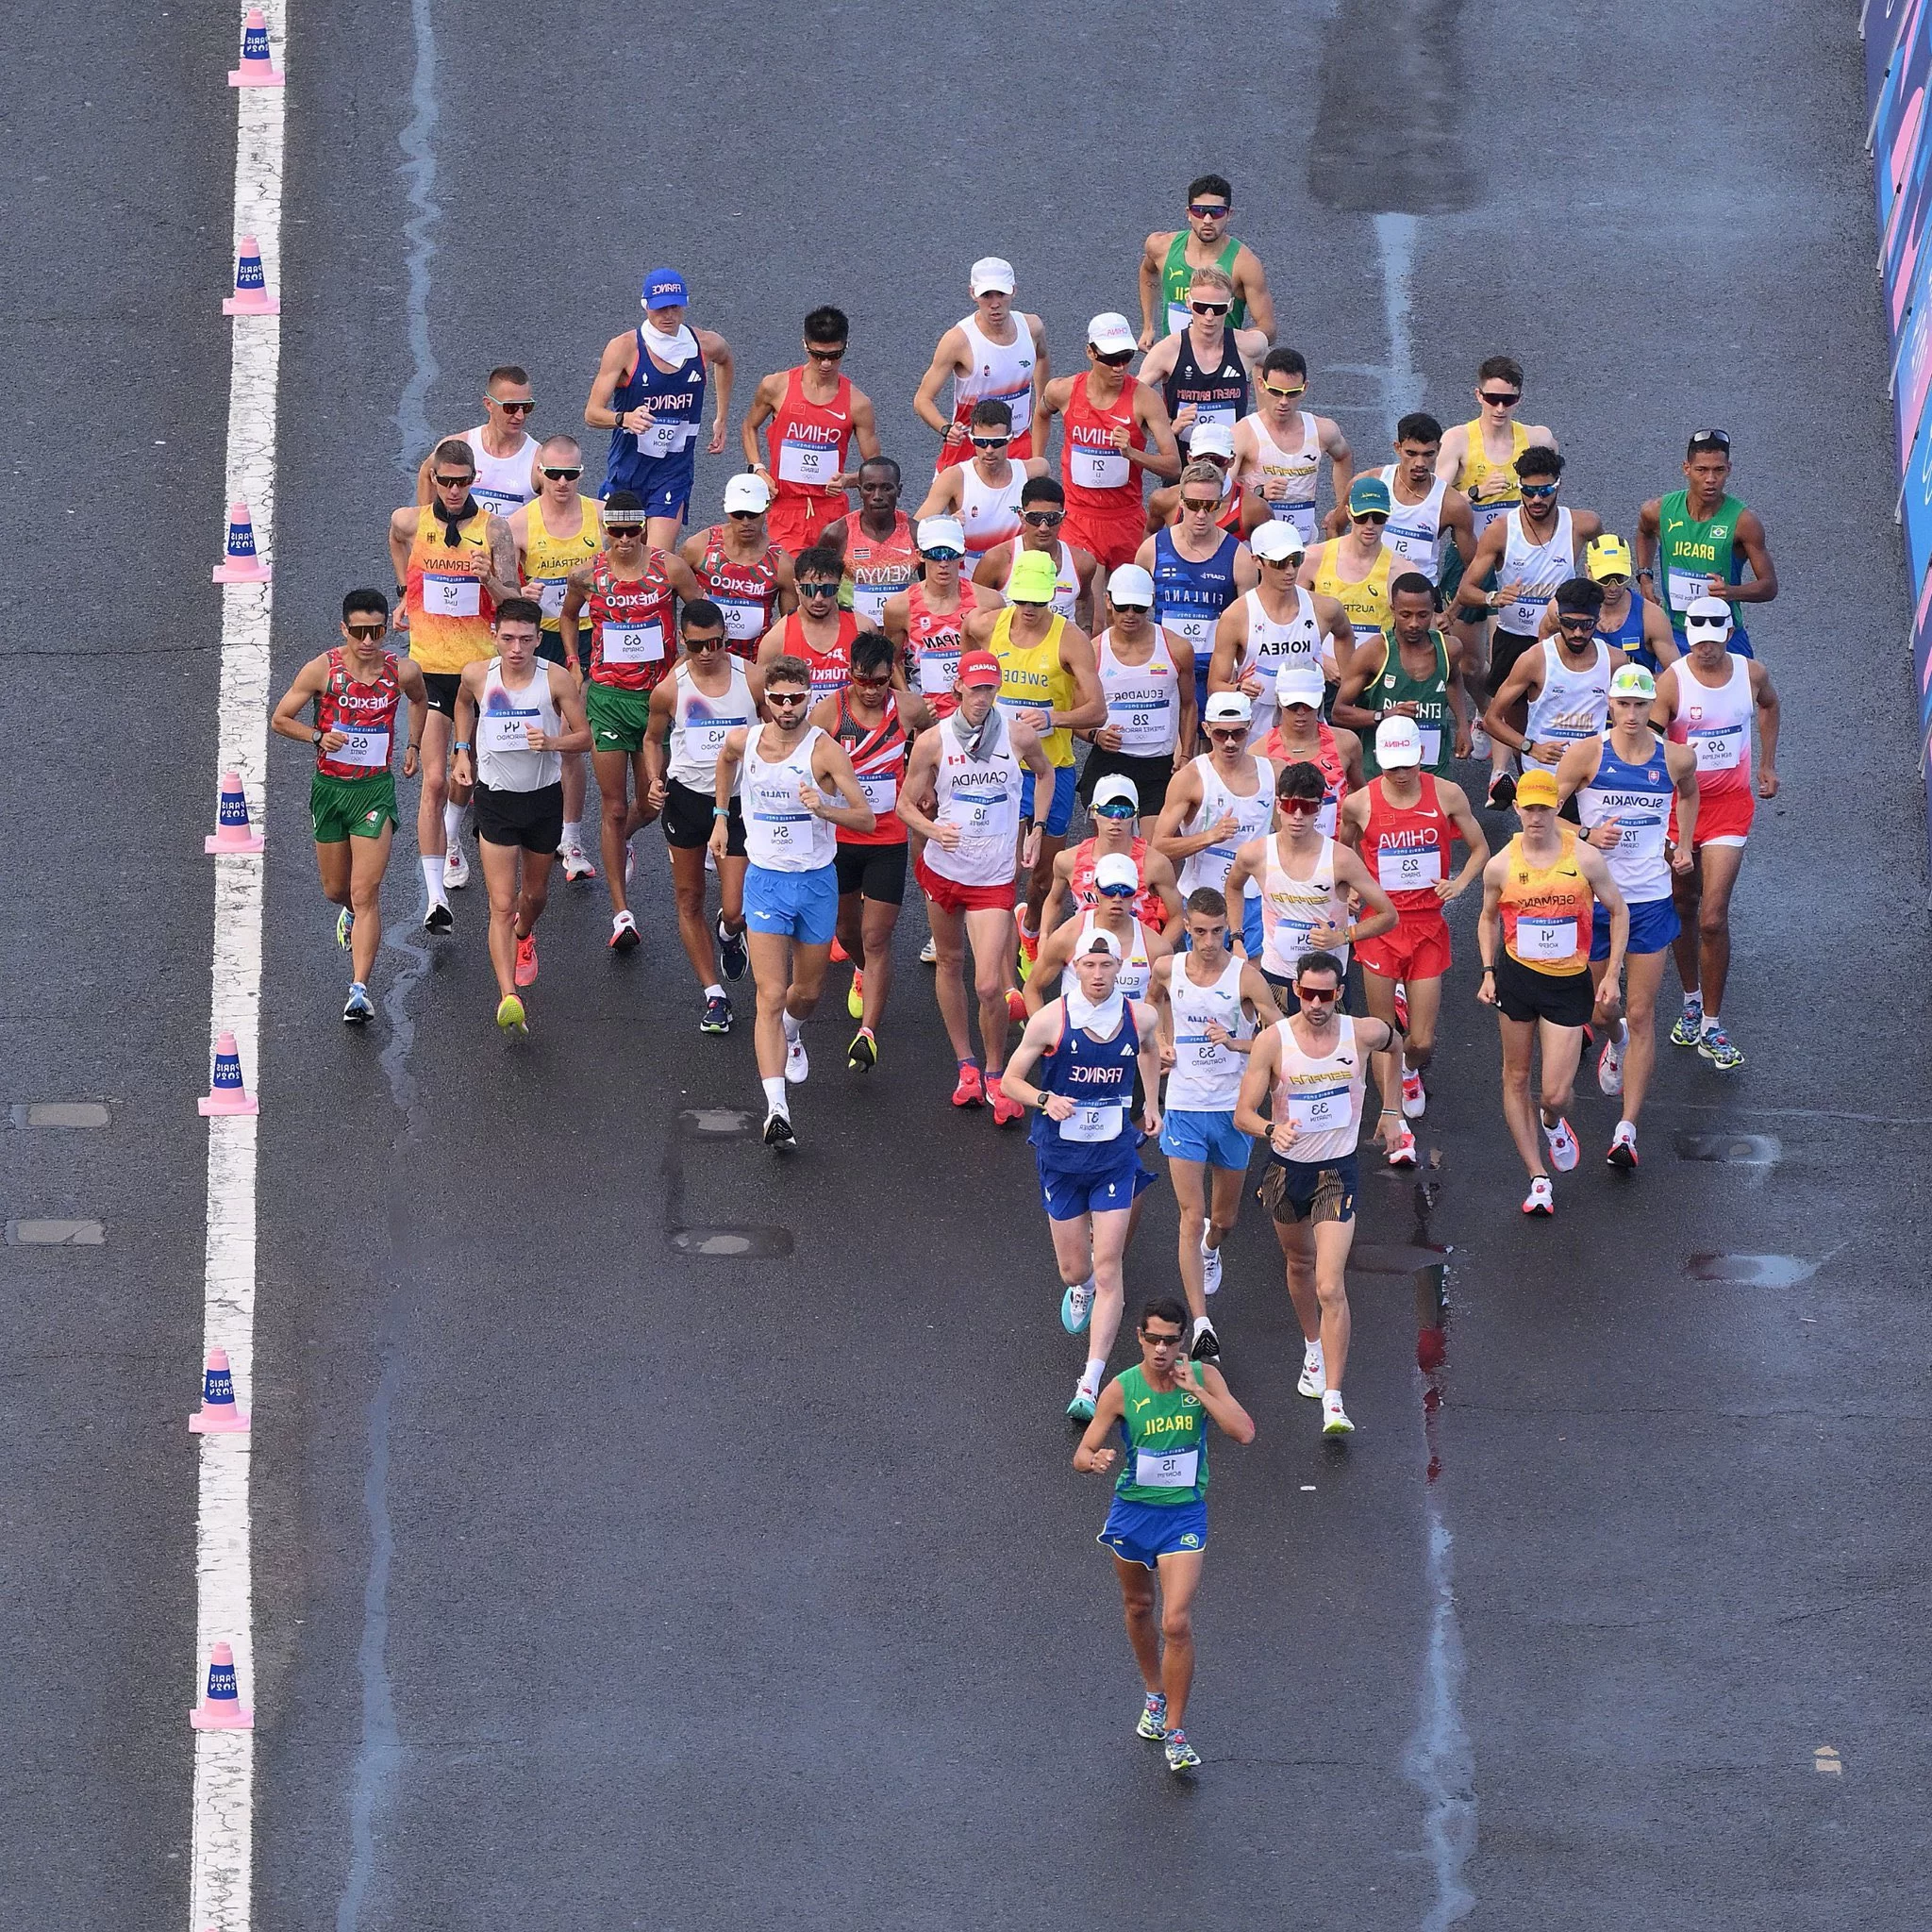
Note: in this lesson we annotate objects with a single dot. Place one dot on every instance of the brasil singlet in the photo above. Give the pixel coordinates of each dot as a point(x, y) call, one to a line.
point(700, 723)
point(1097, 1076)
point(1032, 678)
point(1147, 906)
point(878, 754)
point(932, 650)
point(1206, 1076)
point(548, 561)
point(630, 625)
point(365, 714)
point(880, 566)
point(1164, 1432)
point(444, 594)
point(1392, 684)
point(1636, 798)
point(1692, 552)
point(1491, 487)
point(1177, 277)
point(1407, 847)
point(1548, 911)
point(1100, 481)
point(747, 593)
point(676, 398)
point(780, 835)
point(1252, 813)
point(1292, 907)
point(1142, 700)
point(982, 797)
point(505, 761)
point(808, 444)
point(1322, 1096)
point(1365, 599)
point(831, 669)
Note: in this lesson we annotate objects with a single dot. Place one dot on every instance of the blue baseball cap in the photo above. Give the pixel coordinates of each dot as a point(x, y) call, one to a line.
point(664, 289)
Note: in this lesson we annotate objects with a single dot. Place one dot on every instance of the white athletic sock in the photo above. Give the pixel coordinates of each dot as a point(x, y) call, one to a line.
point(714, 992)
point(432, 878)
point(1096, 1367)
point(451, 825)
point(1711, 1023)
point(1693, 1002)
point(775, 1095)
point(792, 1025)
point(573, 833)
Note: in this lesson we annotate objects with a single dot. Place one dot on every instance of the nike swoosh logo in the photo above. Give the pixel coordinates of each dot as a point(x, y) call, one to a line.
point(836, 415)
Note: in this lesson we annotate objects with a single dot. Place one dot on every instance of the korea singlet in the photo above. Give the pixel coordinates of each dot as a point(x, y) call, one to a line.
point(364, 713)
point(880, 567)
point(1407, 847)
point(1253, 814)
point(1296, 464)
point(548, 561)
point(1571, 705)
point(1549, 911)
point(1413, 533)
point(1142, 700)
point(1097, 1076)
point(631, 626)
point(444, 592)
point(1323, 1096)
point(1207, 1077)
point(932, 650)
point(1291, 909)
point(1493, 487)
point(1636, 798)
point(1271, 647)
point(1434, 722)
point(701, 722)
point(747, 593)
point(779, 834)
point(878, 754)
point(982, 797)
point(1147, 906)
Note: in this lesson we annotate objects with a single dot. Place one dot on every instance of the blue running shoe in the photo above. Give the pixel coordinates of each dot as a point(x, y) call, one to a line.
point(1076, 1309)
point(1181, 1756)
point(1153, 1724)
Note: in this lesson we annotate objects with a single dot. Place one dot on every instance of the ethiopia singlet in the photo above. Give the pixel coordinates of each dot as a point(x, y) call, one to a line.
point(1207, 1077)
point(1252, 813)
point(1032, 678)
point(1491, 488)
point(1165, 1435)
point(700, 723)
point(980, 795)
point(1694, 551)
point(1292, 908)
point(630, 625)
point(880, 567)
point(780, 835)
point(747, 593)
point(1549, 911)
point(1296, 464)
point(1636, 798)
point(932, 650)
point(1413, 534)
point(1322, 1096)
point(990, 512)
point(502, 483)
point(1218, 393)
point(1537, 567)
point(1097, 1076)
point(1392, 684)
point(1571, 705)
point(878, 754)
point(831, 669)
point(549, 560)
point(365, 714)
point(676, 398)
point(1407, 847)
point(443, 591)
point(1177, 277)
point(1147, 906)
point(1365, 599)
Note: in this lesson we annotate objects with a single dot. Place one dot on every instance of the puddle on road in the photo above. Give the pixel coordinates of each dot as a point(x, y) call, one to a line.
point(1754, 1271)
point(766, 1244)
point(1734, 1150)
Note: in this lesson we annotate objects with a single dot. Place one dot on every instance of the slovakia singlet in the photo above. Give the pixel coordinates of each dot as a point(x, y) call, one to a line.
point(1636, 798)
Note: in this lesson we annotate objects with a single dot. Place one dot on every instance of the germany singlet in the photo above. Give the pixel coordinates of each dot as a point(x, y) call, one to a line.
point(1549, 911)
point(449, 607)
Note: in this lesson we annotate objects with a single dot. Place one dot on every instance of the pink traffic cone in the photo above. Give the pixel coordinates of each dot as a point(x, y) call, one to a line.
point(226, 1094)
point(218, 1415)
point(257, 69)
point(250, 296)
point(241, 565)
point(222, 1708)
point(233, 833)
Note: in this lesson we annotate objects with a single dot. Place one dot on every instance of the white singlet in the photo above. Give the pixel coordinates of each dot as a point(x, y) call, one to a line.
point(1206, 1079)
point(1270, 647)
point(502, 483)
point(1001, 372)
point(1137, 967)
point(505, 761)
point(1142, 700)
point(990, 512)
point(1571, 705)
point(982, 797)
point(1537, 567)
point(1066, 593)
point(1414, 530)
point(1211, 864)
point(1298, 467)
point(779, 834)
point(1322, 1098)
point(1291, 909)
point(700, 723)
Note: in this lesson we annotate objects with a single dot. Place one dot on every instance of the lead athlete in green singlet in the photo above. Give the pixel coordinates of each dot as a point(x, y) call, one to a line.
point(1696, 542)
point(1159, 1523)
point(1171, 256)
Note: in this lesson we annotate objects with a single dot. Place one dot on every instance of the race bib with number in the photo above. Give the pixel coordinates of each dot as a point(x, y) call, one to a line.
point(550, 595)
point(742, 621)
point(1325, 818)
point(452, 596)
point(633, 644)
point(1172, 1469)
point(1408, 871)
point(939, 672)
point(1431, 736)
point(1145, 723)
point(1216, 412)
point(1098, 469)
point(778, 808)
point(505, 731)
point(1545, 938)
point(869, 600)
point(1721, 749)
point(1178, 317)
point(815, 464)
point(1202, 1055)
point(1196, 626)
point(1094, 1120)
point(1686, 586)
point(1318, 1113)
point(663, 438)
point(881, 793)
point(368, 749)
point(1302, 515)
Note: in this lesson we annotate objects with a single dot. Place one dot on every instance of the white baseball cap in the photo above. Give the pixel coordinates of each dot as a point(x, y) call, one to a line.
point(1707, 611)
point(746, 491)
point(940, 533)
point(1398, 743)
point(1110, 335)
point(1229, 707)
point(1116, 869)
point(1211, 440)
point(1100, 940)
point(1277, 541)
point(1131, 584)
point(1299, 684)
point(993, 274)
point(1115, 786)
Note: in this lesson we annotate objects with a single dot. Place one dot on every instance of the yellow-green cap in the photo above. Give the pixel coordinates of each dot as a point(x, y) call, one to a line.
point(1036, 577)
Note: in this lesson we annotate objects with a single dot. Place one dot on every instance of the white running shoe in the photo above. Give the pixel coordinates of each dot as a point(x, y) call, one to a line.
point(1623, 1147)
point(1541, 1198)
point(929, 953)
point(1401, 1150)
point(1564, 1152)
point(1610, 1063)
point(796, 1065)
point(1479, 741)
point(576, 865)
point(1415, 1101)
point(1335, 1419)
point(1210, 1267)
point(456, 868)
point(1314, 1381)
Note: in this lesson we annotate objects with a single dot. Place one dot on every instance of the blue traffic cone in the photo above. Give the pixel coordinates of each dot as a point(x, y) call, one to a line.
point(227, 1094)
point(243, 564)
point(250, 296)
point(222, 1708)
point(233, 833)
point(218, 1415)
point(256, 67)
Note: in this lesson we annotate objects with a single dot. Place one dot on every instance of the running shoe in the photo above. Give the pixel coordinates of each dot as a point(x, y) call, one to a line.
point(1211, 1268)
point(345, 924)
point(1205, 1346)
point(1335, 1419)
point(854, 1000)
point(623, 934)
point(929, 953)
point(1081, 1407)
point(1076, 1308)
point(526, 959)
point(1480, 744)
point(1314, 1381)
point(862, 1055)
point(1005, 1113)
point(779, 1132)
point(1181, 1756)
point(1714, 1044)
point(797, 1062)
point(1402, 1149)
point(1401, 1004)
point(439, 919)
point(1623, 1147)
point(1689, 1027)
point(734, 956)
point(840, 956)
point(1016, 1005)
point(1610, 1063)
point(1153, 1724)
point(1415, 1099)
point(971, 1091)
point(510, 1014)
point(1564, 1152)
point(1541, 1198)
point(1029, 950)
point(716, 1015)
point(1502, 791)
point(576, 865)
point(456, 868)
point(358, 1011)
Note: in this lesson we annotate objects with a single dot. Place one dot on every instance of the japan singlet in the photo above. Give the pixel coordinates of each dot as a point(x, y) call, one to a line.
point(932, 650)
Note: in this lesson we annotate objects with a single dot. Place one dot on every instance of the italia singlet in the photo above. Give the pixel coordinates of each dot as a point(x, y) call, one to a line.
point(747, 593)
point(1636, 799)
point(1407, 847)
point(548, 561)
point(502, 483)
point(631, 626)
point(449, 607)
point(1207, 1077)
point(932, 650)
point(780, 835)
point(880, 567)
point(1548, 911)
point(1491, 487)
point(831, 669)
point(1392, 684)
point(1218, 393)
point(1177, 277)
point(661, 460)
point(365, 714)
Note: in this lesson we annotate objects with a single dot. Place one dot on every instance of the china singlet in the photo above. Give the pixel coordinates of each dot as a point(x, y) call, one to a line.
point(1189, 596)
point(990, 512)
point(676, 398)
point(1291, 909)
point(932, 650)
point(700, 723)
point(1407, 847)
point(1253, 814)
point(1715, 720)
point(1296, 464)
point(630, 625)
point(1321, 1096)
point(1137, 964)
point(809, 444)
point(1413, 533)
point(1001, 373)
point(1207, 1077)
point(878, 754)
point(1270, 647)
point(1537, 567)
point(502, 483)
point(1102, 485)
point(505, 761)
point(1636, 799)
point(982, 797)
point(1571, 705)
point(548, 561)
point(1491, 487)
point(1549, 911)
point(880, 566)
point(1066, 588)
point(365, 712)
point(1218, 395)
point(1164, 1432)
point(747, 593)
point(449, 607)
point(1364, 599)
point(1434, 722)
point(1177, 277)
point(1147, 906)
point(1097, 1076)
point(780, 835)
point(831, 669)
point(1142, 700)
point(1032, 678)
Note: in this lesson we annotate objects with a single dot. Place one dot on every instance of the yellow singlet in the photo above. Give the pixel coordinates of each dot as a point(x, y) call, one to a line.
point(1035, 679)
point(1366, 600)
point(1548, 911)
point(548, 561)
point(449, 609)
point(1491, 487)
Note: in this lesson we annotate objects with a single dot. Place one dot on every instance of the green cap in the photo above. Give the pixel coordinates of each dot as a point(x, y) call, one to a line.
point(1036, 577)
point(1368, 493)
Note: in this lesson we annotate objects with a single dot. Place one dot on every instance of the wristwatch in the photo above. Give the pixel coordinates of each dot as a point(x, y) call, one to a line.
point(316, 737)
point(461, 744)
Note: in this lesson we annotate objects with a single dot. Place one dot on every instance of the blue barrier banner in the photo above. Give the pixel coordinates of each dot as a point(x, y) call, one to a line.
point(1921, 663)
point(1916, 506)
point(1884, 25)
point(1898, 128)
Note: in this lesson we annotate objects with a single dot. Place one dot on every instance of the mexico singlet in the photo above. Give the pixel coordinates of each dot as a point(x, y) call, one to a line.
point(1434, 722)
point(747, 593)
point(1549, 911)
point(1636, 798)
point(365, 714)
point(630, 625)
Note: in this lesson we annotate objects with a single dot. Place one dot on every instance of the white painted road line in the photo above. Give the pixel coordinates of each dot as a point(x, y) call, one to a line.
point(220, 1888)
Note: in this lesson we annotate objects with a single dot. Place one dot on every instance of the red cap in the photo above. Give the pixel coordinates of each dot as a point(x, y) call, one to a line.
point(979, 667)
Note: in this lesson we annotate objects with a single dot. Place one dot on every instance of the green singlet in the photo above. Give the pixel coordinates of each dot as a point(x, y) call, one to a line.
point(1162, 1430)
point(1177, 277)
point(1690, 552)
point(1392, 684)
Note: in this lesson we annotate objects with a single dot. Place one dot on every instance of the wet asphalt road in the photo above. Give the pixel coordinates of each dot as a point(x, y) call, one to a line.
point(599, 1583)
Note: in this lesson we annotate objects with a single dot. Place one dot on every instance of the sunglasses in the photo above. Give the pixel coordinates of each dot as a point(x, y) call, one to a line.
point(1114, 808)
point(1719, 439)
point(836, 355)
point(1118, 360)
point(1228, 731)
point(515, 407)
point(873, 683)
point(1302, 807)
point(624, 532)
point(1710, 624)
point(1042, 519)
point(1615, 583)
point(1321, 995)
point(1284, 395)
point(787, 697)
point(1370, 516)
point(1206, 506)
point(1124, 609)
point(563, 475)
point(698, 647)
point(1535, 492)
point(1210, 307)
point(943, 555)
point(1500, 398)
point(1579, 623)
point(367, 632)
point(1207, 210)
point(1116, 891)
point(461, 482)
point(818, 590)
point(744, 516)
point(991, 441)
point(1282, 562)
